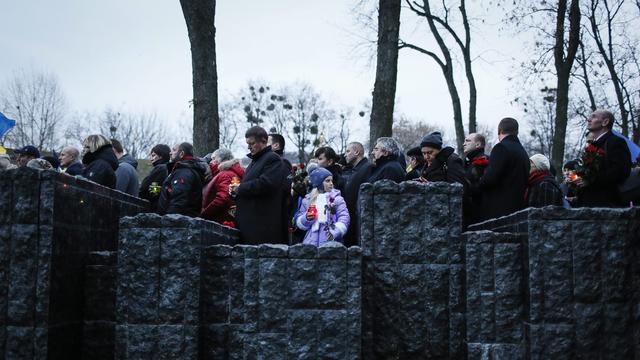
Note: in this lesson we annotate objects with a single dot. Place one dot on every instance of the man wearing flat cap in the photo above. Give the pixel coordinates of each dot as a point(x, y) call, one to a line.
point(26, 154)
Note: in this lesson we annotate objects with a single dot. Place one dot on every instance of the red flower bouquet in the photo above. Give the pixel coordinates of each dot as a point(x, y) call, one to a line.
point(481, 160)
point(590, 163)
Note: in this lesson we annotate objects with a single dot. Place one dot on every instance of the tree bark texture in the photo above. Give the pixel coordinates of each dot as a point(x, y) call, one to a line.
point(563, 64)
point(200, 16)
point(384, 89)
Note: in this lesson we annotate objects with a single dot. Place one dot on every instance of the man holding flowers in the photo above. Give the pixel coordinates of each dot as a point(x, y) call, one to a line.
point(605, 163)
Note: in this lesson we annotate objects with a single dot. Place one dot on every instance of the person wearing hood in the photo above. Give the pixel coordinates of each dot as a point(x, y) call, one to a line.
point(442, 163)
point(182, 190)
point(126, 174)
point(259, 195)
point(323, 213)
point(385, 155)
point(100, 163)
point(151, 185)
point(217, 204)
point(542, 188)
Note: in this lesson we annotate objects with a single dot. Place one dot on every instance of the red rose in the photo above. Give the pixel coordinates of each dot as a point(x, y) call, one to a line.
point(228, 223)
point(301, 166)
point(591, 148)
point(480, 161)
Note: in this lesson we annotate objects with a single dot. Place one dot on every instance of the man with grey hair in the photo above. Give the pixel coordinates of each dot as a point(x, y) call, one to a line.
point(70, 161)
point(387, 166)
point(356, 172)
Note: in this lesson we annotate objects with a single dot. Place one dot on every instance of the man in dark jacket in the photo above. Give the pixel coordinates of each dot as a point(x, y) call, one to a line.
point(505, 179)
point(70, 161)
point(277, 143)
point(126, 173)
point(385, 155)
point(443, 164)
point(601, 190)
point(475, 163)
point(182, 189)
point(259, 195)
point(152, 184)
point(356, 172)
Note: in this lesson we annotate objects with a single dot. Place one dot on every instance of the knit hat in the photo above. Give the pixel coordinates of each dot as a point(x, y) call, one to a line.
point(433, 140)
point(540, 162)
point(318, 175)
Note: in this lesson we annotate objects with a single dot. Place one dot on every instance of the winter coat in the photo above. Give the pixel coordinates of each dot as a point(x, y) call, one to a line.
point(361, 173)
point(158, 174)
point(100, 166)
point(615, 168)
point(447, 167)
point(337, 219)
point(216, 201)
point(504, 181)
point(182, 189)
point(387, 167)
point(127, 176)
point(259, 199)
point(543, 190)
point(475, 164)
point(74, 169)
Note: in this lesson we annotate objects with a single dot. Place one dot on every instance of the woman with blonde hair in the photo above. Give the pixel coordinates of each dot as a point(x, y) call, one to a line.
point(99, 160)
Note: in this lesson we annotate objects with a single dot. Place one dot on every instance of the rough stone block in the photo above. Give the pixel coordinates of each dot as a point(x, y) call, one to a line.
point(332, 283)
point(21, 300)
point(303, 251)
point(331, 331)
point(332, 250)
point(273, 251)
point(179, 277)
point(587, 261)
point(303, 330)
point(303, 277)
point(273, 295)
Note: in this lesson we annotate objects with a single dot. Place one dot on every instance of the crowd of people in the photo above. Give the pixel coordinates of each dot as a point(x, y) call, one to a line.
point(274, 201)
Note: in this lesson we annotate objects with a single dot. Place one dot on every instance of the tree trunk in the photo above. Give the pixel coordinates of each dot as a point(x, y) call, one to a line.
point(563, 65)
point(384, 89)
point(200, 16)
point(466, 53)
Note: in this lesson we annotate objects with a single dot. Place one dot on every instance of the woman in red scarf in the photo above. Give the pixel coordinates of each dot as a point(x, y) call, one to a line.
point(542, 190)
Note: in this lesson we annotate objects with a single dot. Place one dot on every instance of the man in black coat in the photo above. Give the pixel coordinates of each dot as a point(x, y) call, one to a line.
point(504, 182)
point(357, 172)
point(443, 164)
point(70, 161)
point(259, 195)
point(151, 185)
point(475, 163)
point(387, 166)
point(277, 143)
point(182, 189)
point(615, 166)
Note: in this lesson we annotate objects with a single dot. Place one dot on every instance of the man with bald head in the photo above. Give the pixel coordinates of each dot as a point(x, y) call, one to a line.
point(70, 161)
point(601, 190)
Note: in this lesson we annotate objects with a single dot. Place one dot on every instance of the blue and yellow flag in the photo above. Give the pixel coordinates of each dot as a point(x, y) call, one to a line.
point(5, 124)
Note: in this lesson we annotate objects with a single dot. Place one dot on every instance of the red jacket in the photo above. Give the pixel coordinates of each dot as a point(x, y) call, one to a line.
point(216, 200)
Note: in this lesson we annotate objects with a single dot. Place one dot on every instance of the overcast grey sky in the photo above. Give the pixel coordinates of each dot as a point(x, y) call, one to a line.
point(134, 54)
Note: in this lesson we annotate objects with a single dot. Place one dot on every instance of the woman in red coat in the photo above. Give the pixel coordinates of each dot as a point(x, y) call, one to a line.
point(217, 204)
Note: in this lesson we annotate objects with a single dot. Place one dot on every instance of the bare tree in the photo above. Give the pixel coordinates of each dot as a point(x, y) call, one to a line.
point(384, 89)
point(230, 120)
point(37, 103)
point(441, 26)
point(200, 18)
point(138, 133)
point(409, 133)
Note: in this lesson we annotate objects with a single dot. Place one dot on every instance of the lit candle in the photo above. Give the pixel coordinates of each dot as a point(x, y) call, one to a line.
point(312, 212)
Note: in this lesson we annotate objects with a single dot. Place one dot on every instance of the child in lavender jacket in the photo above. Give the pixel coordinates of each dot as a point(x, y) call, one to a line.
point(323, 213)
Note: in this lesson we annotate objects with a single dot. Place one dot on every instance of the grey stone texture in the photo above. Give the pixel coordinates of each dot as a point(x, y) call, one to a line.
point(553, 283)
point(413, 271)
point(183, 292)
point(49, 223)
point(161, 269)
